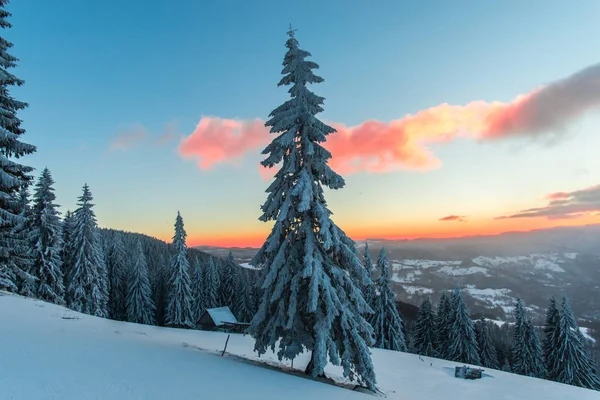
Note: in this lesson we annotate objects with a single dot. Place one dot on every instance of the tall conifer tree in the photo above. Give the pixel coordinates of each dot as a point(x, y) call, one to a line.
point(118, 266)
point(462, 344)
point(211, 282)
point(229, 280)
point(487, 350)
point(13, 175)
point(46, 242)
point(140, 307)
point(197, 287)
point(387, 321)
point(443, 323)
point(425, 333)
point(312, 295)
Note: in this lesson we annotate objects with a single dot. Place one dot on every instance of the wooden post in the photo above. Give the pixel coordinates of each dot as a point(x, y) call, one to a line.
point(227, 341)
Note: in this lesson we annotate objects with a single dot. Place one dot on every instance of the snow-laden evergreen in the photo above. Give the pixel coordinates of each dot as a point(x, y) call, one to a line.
point(387, 322)
point(140, 307)
point(46, 242)
point(462, 344)
point(312, 295)
point(21, 250)
point(197, 287)
point(117, 272)
point(243, 299)
point(211, 284)
point(487, 351)
point(550, 343)
point(574, 365)
point(520, 356)
point(13, 175)
point(369, 290)
point(228, 285)
point(179, 308)
point(443, 322)
point(88, 282)
point(534, 359)
point(424, 339)
point(67, 253)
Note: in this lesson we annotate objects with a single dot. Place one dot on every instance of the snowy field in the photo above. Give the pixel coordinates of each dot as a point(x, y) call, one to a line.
point(49, 352)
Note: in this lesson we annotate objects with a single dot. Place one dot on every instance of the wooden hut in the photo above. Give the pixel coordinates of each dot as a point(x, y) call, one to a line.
point(220, 318)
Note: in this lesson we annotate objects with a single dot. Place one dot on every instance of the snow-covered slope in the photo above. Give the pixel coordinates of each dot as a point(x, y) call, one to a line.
point(49, 352)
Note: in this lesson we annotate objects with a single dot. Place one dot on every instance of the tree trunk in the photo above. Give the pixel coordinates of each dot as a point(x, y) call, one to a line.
point(311, 366)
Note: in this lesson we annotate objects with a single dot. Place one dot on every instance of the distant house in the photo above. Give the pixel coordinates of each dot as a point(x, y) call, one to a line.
point(221, 319)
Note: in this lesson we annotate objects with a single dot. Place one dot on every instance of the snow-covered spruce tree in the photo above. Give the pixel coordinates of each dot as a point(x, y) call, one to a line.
point(387, 322)
point(311, 295)
point(67, 253)
point(88, 282)
point(211, 284)
point(487, 350)
point(228, 283)
point(179, 307)
point(197, 287)
point(462, 344)
point(243, 298)
point(140, 307)
point(369, 291)
point(46, 242)
point(13, 175)
point(117, 272)
point(443, 323)
point(534, 357)
point(574, 367)
point(424, 337)
point(21, 250)
point(519, 350)
point(550, 343)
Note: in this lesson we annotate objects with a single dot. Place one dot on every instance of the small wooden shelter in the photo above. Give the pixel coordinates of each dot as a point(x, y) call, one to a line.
point(466, 372)
point(221, 319)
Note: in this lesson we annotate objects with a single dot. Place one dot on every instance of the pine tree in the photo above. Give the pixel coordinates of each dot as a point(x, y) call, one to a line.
point(535, 357)
point(88, 284)
point(519, 347)
point(179, 308)
point(228, 283)
point(424, 341)
point(462, 344)
point(574, 367)
point(22, 254)
point(13, 176)
point(211, 282)
point(387, 322)
point(242, 305)
point(67, 251)
point(117, 272)
point(550, 344)
point(487, 350)
point(140, 307)
point(46, 242)
point(197, 287)
point(312, 287)
point(369, 289)
point(443, 323)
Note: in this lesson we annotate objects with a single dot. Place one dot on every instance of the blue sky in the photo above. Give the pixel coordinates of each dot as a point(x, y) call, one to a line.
point(97, 70)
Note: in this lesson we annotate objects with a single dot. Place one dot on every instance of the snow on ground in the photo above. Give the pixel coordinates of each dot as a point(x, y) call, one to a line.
point(411, 290)
point(44, 356)
point(248, 266)
point(463, 271)
point(544, 261)
point(586, 334)
point(425, 263)
point(495, 297)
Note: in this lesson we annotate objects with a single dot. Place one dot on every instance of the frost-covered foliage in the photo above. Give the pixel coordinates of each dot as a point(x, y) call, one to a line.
point(574, 365)
point(550, 343)
point(88, 282)
point(21, 248)
point(443, 322)
point(424, 340)
point(312, 296)
point(369, 289)
point(229, 283)
point(67, 252)
point(140, 307)
point(179, 308)
point(462, 344)
point(117, 272)
point(13, 175)
point(387, 323)
point(46, 242)
point(242, 308)
point(527, 357)
point(211, 284)
point(197, 287)
point(535, 356)
point(487, 350)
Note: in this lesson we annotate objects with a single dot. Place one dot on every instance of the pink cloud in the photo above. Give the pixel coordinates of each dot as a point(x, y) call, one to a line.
point(129, 138)
point(456, 218)
point(375, 146)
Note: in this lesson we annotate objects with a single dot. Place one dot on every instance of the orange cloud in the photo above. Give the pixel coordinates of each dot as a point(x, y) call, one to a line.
point(458, 218)
point(375, 146)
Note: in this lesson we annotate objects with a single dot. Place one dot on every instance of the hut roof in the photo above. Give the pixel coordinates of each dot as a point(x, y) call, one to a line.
point(221, 315)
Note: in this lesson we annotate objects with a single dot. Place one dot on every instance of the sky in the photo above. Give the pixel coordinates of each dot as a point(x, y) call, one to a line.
point(453, 118)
